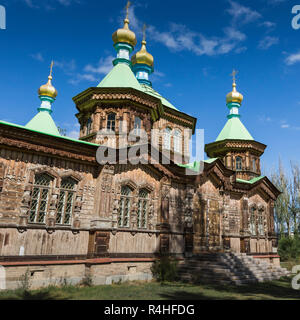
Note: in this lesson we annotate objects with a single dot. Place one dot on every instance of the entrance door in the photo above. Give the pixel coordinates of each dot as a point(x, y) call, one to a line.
point(99, 244)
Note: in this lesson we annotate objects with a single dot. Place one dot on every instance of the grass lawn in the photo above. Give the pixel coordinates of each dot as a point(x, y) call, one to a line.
point(290, 263)
point(280, 289)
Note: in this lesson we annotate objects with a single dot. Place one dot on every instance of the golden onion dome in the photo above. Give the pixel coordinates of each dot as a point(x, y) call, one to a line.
point(143, 57)
point(125, 35)
point(234, 95)
point(48, 89)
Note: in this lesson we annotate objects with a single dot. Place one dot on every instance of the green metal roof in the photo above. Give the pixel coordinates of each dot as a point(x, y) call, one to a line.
point(211, 160)
point(121, 76)
point(250, 181)
point(195, 166)
point(234, 130)
point(147, 89)
point(43, 122)
point(48, 134)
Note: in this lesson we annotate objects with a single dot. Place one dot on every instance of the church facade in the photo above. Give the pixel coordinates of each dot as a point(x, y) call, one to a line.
point(65, 215)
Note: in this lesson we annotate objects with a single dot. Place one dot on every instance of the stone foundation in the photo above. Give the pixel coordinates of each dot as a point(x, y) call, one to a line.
point(73, 273)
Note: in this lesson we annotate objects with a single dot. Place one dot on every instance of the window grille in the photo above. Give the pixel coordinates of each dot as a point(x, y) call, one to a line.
point(111, 122)
point(261, 223)
point(142, 216)
point(238, 163)
point(137, 126)
point(253, 222)
point(167, 139)
point(124, 211)
point(89, 126)
point(65, 201)
point(177, 141)
point(40, 198)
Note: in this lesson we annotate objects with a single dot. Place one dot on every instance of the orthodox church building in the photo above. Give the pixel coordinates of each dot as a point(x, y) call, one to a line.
point(65, 215)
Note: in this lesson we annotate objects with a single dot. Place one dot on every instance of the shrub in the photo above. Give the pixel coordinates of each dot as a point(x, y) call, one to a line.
point(164, 269)
point(289, 248)
point(87, 281)
point(25, 281)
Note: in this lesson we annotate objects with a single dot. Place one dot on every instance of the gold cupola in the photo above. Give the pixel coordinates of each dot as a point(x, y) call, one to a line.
point(143, 57)
point(48, 89)
point(125, 35)
point(234, 95)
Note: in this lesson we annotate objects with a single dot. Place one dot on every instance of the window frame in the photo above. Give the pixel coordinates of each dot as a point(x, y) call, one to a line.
point(38, 198)
point(239, 160)
point(136, 129)
point(125, 204)
point(111, 123)
point(177, 141)
point(260, 223)
point(66, 193)
point(252, 224)
point(89, 126)
point(167, 138)
point(143, 209)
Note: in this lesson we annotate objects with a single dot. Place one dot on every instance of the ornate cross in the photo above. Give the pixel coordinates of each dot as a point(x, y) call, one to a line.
point(127, 9)
point(144, 31)
point(234, 73)
point(51, 67)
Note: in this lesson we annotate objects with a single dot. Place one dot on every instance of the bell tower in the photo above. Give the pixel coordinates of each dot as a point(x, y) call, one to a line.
point(235, 146)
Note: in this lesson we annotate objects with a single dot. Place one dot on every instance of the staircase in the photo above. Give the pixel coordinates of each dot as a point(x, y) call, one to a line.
point(228, 268)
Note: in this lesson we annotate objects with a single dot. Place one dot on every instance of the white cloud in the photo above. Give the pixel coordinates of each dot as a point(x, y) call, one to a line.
point(48, 4)
point(68, 67)
point(37, 56)
point(241, 50)
point(74, 134)
point(91, 72)
point(179, 38)
point(293, 58)
point(265, 119)
point(268, 24)
point(234, 34)
point(103, 67)
point(285, 126)
point(267, 42)
point(241, 14)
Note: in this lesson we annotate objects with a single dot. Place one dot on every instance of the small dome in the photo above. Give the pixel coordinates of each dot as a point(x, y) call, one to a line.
point(48, 89)
point(234, 95)
point(143, 57)
point(125, 35)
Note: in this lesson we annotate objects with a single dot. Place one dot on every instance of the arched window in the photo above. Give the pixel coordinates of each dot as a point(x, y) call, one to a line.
point(137, 125)
point(142, 217)
point(111, 122)
point(177, 141)
point(40, 198)
point(254, 165)
point(253, 221)
point(125, 203)
point(238, 163)
point(167, 139)
point(89, 126)
point(66, 201)
point(260, 225)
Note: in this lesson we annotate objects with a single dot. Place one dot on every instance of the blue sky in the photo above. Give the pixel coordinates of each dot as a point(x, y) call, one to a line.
point(195, 44)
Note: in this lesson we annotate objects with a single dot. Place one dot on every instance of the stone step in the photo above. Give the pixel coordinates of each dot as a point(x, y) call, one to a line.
point(229, 268)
